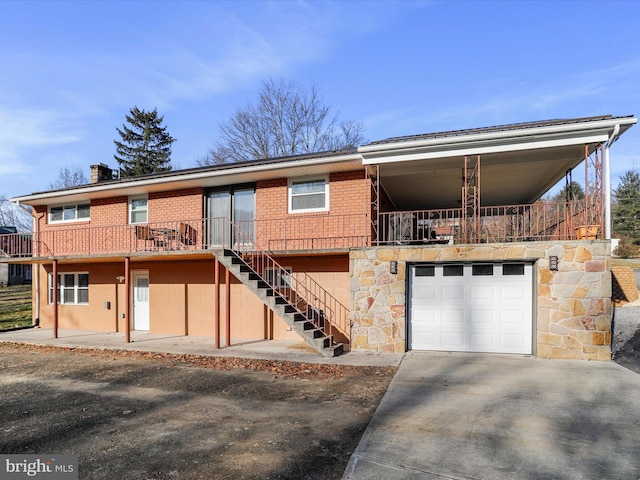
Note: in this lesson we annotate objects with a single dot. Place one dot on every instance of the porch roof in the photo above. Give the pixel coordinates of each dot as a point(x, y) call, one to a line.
point(519, 162)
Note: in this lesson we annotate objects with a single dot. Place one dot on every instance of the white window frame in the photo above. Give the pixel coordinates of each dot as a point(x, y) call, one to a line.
point(130, 209)
point(72, 207)
point(76, 288)
point(290, 195)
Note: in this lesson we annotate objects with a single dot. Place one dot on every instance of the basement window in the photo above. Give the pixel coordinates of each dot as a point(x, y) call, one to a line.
point(279, 278)
point(73, 288)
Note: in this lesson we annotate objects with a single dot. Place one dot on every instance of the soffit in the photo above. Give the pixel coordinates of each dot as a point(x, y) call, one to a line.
point(506, 178)
point(519, 164)
point(197, 178)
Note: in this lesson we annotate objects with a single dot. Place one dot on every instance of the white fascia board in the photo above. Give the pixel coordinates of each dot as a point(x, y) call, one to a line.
point(513, 135)
point(94, 188)
point(477, 149)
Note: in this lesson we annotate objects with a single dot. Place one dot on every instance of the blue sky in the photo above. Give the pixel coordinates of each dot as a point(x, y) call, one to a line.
point(72, 70)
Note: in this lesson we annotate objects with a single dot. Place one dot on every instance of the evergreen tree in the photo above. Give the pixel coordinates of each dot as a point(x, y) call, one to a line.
point(626, 214)
point(145, 146)
point(573, 191)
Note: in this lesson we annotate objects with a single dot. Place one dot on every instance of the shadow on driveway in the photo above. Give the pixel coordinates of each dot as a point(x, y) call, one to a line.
point(502, 417)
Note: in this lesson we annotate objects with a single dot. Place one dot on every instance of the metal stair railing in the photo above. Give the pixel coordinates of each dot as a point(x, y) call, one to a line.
point(306, 295)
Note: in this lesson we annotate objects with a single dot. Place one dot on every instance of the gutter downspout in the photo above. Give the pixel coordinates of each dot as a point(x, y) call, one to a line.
point(34, 266)
point(607, 182)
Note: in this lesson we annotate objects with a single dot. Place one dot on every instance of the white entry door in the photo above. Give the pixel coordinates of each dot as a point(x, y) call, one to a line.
point(479, 307)
point(140, 300)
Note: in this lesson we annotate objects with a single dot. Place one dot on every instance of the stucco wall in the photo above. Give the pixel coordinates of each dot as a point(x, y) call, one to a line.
point(181, 302)
point(572, 312)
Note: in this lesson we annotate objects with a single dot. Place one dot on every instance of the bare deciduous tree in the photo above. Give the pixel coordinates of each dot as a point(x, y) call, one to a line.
point(287, 120)
point(69, 177)
point(12, 215)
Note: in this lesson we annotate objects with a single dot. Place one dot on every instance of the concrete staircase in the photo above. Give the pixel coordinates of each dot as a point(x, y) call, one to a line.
point(303, 317)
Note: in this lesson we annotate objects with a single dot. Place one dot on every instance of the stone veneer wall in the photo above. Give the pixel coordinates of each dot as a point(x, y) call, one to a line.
point(572, 310)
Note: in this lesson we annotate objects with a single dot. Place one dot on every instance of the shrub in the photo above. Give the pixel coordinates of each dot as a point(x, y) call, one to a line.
point(626, 250)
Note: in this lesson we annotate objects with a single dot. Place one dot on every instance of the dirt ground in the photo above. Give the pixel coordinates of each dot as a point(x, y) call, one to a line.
point(131, 415)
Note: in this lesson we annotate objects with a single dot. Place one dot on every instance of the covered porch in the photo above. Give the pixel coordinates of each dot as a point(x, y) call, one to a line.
point(496, 184)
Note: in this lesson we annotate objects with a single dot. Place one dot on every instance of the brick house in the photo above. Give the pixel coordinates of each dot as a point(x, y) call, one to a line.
point(427, 242)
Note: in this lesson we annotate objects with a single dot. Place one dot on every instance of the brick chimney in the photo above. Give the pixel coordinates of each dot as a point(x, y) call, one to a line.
point(100, 172)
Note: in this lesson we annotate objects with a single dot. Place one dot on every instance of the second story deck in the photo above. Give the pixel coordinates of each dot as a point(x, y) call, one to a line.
point(314, 233)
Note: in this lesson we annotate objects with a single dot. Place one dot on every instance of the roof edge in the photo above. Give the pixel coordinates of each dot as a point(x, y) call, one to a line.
point(498, 132)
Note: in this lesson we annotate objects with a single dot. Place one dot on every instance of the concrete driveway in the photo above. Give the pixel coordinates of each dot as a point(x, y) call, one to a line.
point(490, 417)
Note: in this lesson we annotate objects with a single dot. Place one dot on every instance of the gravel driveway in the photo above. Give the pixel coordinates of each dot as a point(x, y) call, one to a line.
point(129, 415)
point(626, 336)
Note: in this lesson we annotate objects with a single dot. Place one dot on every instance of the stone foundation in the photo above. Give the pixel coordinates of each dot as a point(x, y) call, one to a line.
point(572, 308)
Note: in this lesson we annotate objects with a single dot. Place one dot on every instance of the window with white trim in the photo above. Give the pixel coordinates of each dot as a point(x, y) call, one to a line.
point(309, 195)
point(70, 213)
point(73, 288)
point(138, 210)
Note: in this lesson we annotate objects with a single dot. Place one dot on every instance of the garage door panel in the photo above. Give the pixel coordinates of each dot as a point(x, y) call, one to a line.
point(482, 318)
point(513, 341)
point(424, 294)
point(483, 293)
point(453, 340)
point(482, 341)
point(515, 292)
point(424, 316)
point(478, 312)
point(452, 292)
point(452, 317)
point(514, 318)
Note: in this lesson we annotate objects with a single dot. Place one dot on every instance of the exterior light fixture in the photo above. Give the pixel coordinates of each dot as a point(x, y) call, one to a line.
point(393, 267)
point(553, 263)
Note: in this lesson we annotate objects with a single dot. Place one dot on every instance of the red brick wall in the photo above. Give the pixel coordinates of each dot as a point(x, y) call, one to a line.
point(349, 193)
point(271, 199)
point(346, 221)
point(109, 231)
point(106, 212)
point(176, 205)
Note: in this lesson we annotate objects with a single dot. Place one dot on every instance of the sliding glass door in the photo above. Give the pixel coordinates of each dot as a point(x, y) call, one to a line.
point(237, 204)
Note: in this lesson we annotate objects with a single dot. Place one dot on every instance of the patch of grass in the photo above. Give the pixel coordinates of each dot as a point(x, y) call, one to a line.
point(626, 262)
point(15, 306)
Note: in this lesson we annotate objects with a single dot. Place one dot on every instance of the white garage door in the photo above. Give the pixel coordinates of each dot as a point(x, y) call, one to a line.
point(479, 307)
